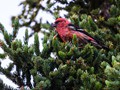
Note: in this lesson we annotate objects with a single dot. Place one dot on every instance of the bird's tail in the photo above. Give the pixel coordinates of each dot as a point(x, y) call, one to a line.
point(105, 47)
point(99, 45)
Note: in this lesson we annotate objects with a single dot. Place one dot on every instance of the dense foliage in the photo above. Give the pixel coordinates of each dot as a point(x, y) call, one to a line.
point(64, 65)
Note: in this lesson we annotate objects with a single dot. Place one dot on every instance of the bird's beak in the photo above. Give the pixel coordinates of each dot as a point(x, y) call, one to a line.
point(53, 25)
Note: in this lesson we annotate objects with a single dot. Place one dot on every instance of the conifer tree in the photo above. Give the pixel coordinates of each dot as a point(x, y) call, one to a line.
point(64, 66)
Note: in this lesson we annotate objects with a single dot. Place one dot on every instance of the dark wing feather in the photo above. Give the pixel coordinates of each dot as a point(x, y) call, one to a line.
point(73, 27)
point(98, 41)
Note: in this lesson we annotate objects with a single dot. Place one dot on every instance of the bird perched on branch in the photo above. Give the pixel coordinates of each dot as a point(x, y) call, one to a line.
point(66, 30)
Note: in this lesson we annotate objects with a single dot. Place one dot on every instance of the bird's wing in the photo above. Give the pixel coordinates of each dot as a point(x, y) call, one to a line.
point(75, 28)
point(72, 27)
point(94, 41)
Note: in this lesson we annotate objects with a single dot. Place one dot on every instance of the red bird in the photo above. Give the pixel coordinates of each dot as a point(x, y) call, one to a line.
point(66, 30)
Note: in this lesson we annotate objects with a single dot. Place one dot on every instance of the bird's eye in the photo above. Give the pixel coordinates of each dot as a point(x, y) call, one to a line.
point(57, 22)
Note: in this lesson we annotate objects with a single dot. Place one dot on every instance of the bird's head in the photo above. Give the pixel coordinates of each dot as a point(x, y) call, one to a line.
point(61, 22)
